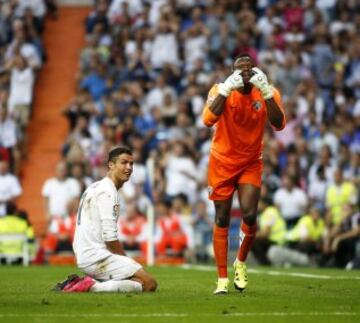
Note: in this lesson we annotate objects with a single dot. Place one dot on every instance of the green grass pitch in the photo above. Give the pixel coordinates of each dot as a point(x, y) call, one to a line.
point(185, 295)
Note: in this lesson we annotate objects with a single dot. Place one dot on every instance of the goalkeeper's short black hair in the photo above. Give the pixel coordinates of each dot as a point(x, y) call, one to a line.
point(116, 152)
point(243, 55)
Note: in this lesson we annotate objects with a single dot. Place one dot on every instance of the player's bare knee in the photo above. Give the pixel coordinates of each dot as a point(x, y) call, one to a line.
point(222, 218)
point(222, 209)
point(249, 219)
point(222, 222)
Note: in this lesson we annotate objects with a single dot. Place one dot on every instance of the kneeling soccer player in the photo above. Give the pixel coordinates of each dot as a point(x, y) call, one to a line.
point(99, 254)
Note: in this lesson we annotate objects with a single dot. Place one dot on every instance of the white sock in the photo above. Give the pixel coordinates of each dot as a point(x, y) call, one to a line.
point(117, 286)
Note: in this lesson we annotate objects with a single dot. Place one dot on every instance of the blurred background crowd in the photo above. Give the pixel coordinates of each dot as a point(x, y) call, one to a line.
point(144, 75)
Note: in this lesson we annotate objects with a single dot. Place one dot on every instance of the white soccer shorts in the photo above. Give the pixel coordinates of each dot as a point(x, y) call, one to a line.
point(114, 267)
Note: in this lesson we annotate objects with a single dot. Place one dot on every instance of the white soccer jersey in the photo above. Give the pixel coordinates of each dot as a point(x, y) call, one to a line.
point(96, 222)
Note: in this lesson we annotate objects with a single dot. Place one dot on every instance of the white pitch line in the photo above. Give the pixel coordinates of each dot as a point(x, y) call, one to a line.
point(277, 273)
point(245, 314)
point(295, 314)
point(65, 315)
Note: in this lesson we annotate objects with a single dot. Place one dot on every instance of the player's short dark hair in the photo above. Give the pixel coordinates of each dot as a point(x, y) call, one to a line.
point(116, 152)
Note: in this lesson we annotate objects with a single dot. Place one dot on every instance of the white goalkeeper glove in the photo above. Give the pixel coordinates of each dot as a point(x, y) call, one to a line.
point(260, 80)
point(234, 81)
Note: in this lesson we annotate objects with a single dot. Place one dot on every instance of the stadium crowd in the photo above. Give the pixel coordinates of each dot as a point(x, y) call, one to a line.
point(21, 56)
point(144, 75)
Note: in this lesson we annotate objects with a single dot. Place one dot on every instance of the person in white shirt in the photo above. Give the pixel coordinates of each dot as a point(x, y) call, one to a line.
point(10, 188)
point(99, 253)
point(58, 192)
point(8, 130)
point(165, 46)
point(21, 90)
point(291, 201)
point(116, 8)
point(38, 7)
point(181, 173)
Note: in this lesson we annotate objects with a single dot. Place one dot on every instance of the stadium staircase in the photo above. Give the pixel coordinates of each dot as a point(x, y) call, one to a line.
point(63, 39)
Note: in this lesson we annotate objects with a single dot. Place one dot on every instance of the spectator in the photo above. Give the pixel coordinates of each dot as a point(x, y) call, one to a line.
point(10, 188)
point(272, 230)
point(180, 173)
point(170, 234)
point(37, 6)
point(341, 240)
point(60, 235)
point(132, 230)
point(21, 90)
point(325, 160)
point(96, 82)
point(308, 234)
point(318, 187)
point(9, 138)
point(77, 172)
point(202, 225)
point(58, 192)
point(164, 49)
point(15, 222)
point(291, 201)
point(337, 195)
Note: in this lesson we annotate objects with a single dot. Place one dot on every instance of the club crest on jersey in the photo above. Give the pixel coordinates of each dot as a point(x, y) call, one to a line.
point(116, 210)
point(256, 105)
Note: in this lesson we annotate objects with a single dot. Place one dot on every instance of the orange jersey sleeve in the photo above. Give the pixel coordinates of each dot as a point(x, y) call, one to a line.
point(239, 130)
point(209, 118)
point(277, 98)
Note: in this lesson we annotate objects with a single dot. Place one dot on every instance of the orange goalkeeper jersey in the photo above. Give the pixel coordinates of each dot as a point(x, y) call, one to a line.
point(239, 131)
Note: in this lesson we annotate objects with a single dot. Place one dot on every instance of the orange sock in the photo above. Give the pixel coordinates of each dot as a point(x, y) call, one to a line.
point(247, 237)
point(220, 243)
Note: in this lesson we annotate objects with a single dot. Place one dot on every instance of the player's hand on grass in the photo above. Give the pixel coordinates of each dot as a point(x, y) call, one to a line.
point(259, 79)
point(234, 81)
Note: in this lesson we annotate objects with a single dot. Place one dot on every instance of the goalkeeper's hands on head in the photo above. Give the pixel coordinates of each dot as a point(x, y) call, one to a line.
point(234, 81)
point(260, 80)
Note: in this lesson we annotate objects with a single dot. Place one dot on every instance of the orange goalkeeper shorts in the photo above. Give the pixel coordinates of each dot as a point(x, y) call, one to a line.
point(223, 177)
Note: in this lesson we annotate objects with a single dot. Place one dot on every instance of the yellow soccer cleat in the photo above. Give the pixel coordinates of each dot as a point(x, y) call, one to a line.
point(222, 286)
point(240, 280)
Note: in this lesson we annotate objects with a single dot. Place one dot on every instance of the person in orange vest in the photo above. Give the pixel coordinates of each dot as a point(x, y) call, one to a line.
point(169, 231)
point(132, 229)
point(61, 231)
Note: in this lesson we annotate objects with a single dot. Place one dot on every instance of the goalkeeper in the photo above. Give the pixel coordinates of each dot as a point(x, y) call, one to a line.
point(239, 109)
